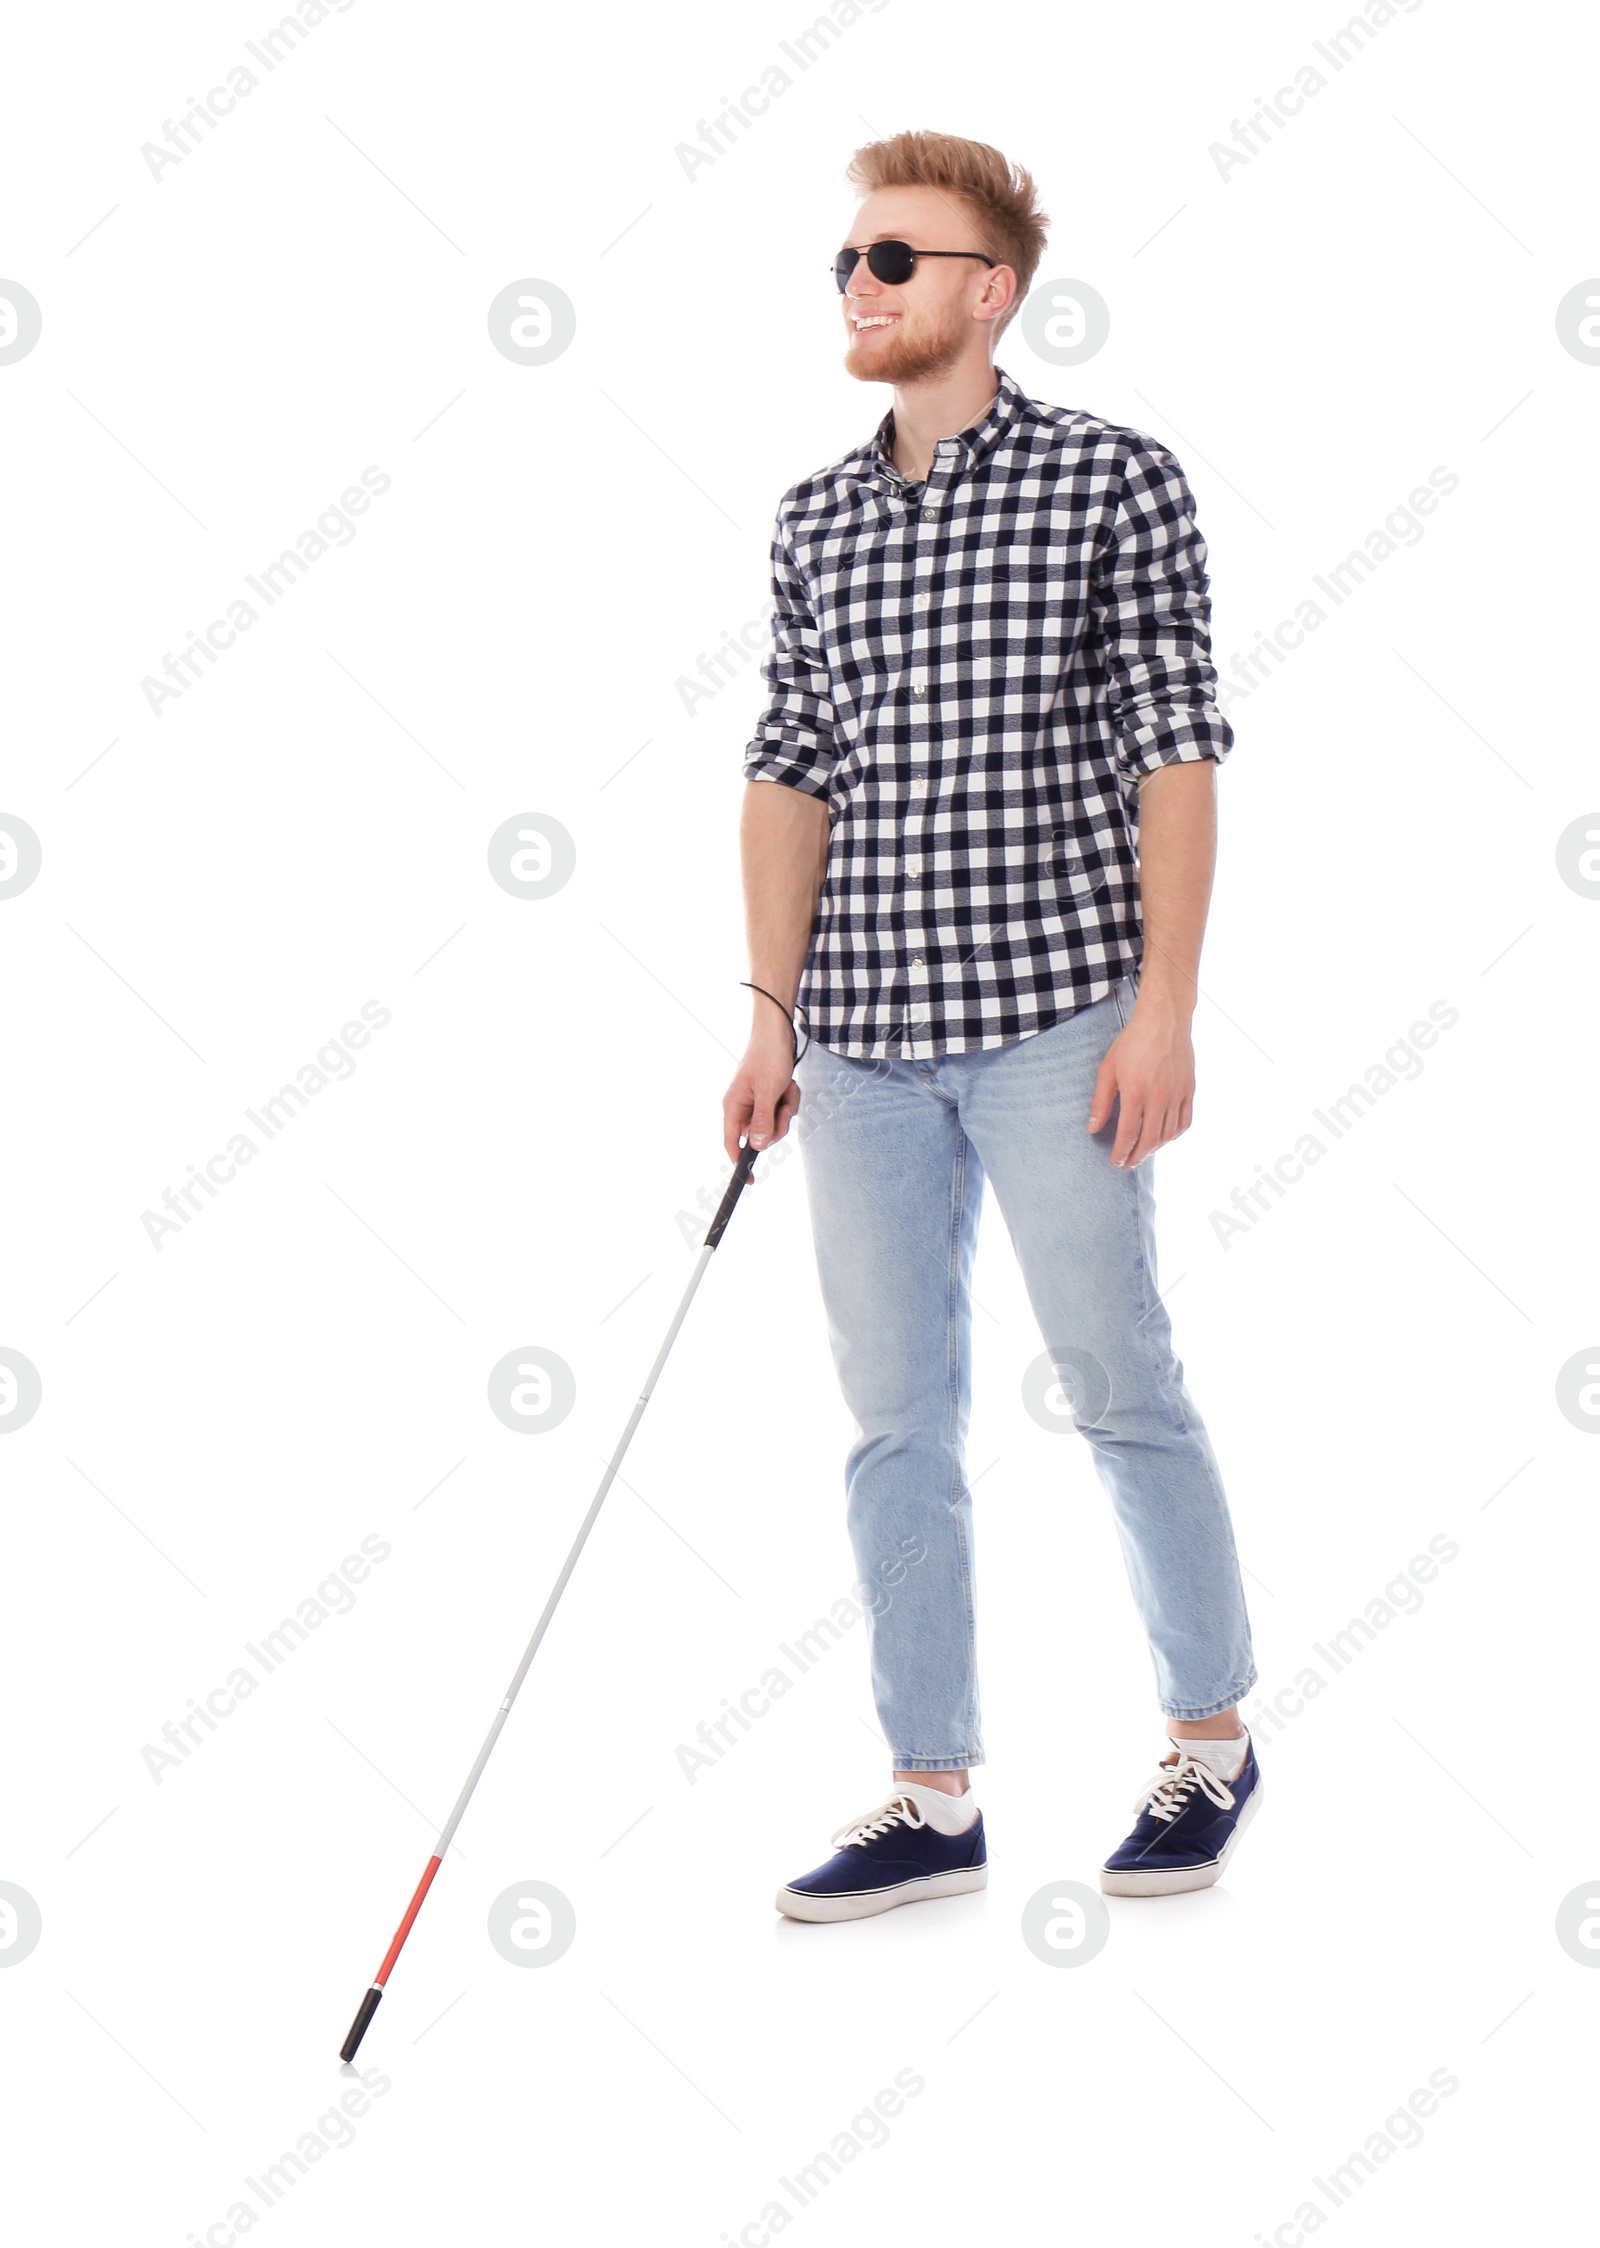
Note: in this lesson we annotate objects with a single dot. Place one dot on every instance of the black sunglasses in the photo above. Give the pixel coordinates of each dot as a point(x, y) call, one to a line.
point(893, 262)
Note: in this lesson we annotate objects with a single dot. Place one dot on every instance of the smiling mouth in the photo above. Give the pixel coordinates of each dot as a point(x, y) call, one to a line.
point(877, 320)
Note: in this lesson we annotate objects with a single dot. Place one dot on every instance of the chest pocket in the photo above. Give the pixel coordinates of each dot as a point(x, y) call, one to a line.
point(1025, 587)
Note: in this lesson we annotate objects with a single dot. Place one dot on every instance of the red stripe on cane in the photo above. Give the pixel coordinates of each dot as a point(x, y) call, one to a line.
point(404, 1929)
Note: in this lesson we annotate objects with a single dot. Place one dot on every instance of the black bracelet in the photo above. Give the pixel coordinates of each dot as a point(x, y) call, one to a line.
point(787, 1014)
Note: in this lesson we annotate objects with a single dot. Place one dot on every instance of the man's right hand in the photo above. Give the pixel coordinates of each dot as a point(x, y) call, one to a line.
point(763, 1097)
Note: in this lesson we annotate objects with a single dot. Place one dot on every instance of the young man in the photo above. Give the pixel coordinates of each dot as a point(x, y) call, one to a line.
point(984, 872)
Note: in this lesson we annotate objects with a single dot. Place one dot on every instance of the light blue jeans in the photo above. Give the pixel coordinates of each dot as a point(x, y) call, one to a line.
point(895, 1156)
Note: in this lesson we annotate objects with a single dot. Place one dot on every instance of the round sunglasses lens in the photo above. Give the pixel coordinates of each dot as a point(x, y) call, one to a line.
point(843, 266)
point(891, 261)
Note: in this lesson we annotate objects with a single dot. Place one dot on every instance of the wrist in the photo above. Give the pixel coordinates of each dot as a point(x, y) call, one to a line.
point(1167, 1003)
point(769, 1029)
point(773, 1033)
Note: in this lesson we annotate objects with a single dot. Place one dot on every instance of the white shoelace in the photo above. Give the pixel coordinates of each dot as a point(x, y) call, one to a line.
point(1169, 1792)
point(898, 1810)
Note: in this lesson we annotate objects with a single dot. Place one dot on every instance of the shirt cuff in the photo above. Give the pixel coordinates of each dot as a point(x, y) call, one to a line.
point(789, 763)
point(1183, 741)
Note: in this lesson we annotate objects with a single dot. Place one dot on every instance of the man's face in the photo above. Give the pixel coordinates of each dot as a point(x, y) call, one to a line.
point(922, 327)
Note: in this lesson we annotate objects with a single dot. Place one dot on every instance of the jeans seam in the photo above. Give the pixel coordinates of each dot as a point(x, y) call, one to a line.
point(1161, 1363)
point(958, 1179)
point(1137, 1184)
point(1177, 1397)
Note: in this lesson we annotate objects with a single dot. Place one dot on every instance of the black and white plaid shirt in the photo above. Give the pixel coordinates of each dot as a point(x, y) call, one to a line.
point(975, 672)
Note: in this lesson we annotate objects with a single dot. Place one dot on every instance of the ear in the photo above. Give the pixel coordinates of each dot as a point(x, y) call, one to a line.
point(999, 292)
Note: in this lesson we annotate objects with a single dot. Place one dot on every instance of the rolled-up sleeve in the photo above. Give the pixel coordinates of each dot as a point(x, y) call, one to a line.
point(1152, 609)
point(794, 737)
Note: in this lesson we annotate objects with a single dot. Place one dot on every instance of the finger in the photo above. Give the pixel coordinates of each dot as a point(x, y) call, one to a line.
point(1105, 1092)
point(1130, 1120)
point(787, 1108)
point(1166, 1130)
point(1185, 1115)
point(761, 1121)
point(1156, 1133)
point(735, 1116)
point(1159, 1126)
point(1143, 1148)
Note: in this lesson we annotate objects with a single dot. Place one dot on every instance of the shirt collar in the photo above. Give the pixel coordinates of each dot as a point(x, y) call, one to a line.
point(973, 443)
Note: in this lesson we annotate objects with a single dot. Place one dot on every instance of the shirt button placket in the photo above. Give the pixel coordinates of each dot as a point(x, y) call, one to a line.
point(924, 731)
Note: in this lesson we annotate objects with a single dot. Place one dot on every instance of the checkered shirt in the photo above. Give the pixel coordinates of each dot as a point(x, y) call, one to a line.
point(975, 672)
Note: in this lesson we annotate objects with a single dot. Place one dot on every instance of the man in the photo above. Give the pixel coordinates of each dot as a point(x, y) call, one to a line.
point(983, 872)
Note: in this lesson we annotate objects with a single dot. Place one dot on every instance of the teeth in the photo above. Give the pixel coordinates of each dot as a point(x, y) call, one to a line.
point(879, 320)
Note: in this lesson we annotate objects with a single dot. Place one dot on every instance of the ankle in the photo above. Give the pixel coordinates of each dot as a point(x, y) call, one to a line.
point(947, 1783)
point(1225, 1726)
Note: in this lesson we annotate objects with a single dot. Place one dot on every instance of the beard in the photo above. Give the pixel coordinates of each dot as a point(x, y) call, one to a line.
point(908, 352)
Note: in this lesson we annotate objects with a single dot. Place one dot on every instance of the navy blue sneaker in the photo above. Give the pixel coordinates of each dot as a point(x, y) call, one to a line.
point(1189, 1821)
point(895, 1855)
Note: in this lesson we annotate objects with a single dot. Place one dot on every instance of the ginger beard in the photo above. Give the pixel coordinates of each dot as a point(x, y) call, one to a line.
point(913, 350)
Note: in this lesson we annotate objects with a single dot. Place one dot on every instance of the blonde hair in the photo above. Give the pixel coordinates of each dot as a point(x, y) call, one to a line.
point(1000, 195)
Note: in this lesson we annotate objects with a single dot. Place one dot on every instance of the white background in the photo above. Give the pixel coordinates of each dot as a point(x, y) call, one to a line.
point(306, 1362)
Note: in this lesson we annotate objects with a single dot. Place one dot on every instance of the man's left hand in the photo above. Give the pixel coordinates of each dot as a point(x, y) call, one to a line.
point(1149, 1072)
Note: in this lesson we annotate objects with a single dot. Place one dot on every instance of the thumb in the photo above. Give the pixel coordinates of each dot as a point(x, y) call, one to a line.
point(760, 1125)
point(1105, 1092)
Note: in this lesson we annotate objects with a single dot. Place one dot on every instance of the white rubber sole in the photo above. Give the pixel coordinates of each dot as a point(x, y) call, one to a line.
point(1173, 1881)
point(797, 1905)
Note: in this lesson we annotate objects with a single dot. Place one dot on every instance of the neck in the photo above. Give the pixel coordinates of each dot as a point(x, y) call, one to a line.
point(926, 411)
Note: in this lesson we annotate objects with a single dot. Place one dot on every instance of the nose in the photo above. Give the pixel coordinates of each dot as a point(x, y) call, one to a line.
point(865, 288)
